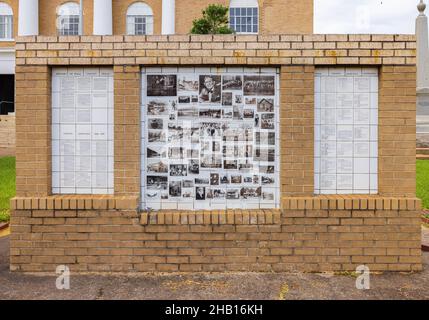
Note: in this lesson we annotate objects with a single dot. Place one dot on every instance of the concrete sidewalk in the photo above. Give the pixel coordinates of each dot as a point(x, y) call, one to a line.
point(211, 286)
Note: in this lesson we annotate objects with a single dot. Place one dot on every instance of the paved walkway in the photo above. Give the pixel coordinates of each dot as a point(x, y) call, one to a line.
point(211, 286)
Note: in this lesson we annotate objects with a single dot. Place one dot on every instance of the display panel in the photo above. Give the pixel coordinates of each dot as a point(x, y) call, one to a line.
point(210, 138)
point(82, 131)
point(346, 130)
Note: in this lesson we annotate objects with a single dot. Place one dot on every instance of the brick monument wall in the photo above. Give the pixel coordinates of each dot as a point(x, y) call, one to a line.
point(311, 233)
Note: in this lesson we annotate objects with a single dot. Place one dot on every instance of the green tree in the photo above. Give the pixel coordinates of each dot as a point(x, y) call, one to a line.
point(214, 21)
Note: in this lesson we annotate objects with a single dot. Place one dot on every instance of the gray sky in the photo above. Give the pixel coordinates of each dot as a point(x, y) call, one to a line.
point(365, 16)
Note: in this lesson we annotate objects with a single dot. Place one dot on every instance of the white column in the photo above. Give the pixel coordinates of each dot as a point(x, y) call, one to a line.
point(28, 18)
point(168, 16)
point(103, 22)
point(422, 48)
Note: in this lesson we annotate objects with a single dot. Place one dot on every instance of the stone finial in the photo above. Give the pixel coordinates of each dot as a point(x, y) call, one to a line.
point(421, 7)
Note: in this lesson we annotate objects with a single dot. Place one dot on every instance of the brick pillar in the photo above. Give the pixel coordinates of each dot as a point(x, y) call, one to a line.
point(297, 130)
point(127, 130)
point(397, 131)
point(33, 131)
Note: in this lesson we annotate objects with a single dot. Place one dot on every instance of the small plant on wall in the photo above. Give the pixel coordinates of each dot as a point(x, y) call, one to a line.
point(214, 21)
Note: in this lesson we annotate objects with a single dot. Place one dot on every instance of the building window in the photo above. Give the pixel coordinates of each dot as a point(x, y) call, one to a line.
point(244, 16)
point(139, 19)
point(68, 19)
point(6, 21)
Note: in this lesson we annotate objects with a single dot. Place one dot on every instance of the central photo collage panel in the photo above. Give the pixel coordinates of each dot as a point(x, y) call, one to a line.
point(210, 138)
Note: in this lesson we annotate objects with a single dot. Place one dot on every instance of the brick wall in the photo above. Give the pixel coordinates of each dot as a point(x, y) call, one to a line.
point(7, 131)
point(101, 233)
point(311, 234)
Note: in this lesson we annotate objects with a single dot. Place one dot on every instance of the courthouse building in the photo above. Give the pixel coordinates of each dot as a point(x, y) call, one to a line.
point(143, 148)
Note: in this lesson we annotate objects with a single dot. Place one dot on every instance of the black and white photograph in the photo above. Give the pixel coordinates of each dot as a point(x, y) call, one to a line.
point(194, 167)
point(238, 113)
point(157, 124)
point(211, 129)
point(157, 167)
point(267, 195)
point(175, 132)
point(193, 153)
point(233, 194)
point(227, 98)
point(188, 183)
point(267, 121)
point(224, 179)
point(152, 195)
point(227, 113)
point(248, 113)
point(250, 101)
point(265, 105)
point(230, 164)
point(211, 162)
point(157, 182)
point(175, 152)
point(232, 82)
point(187, 113)
point(161, 85)
point(210, 89)
point(155, 152)
point(209, 113)
point(188, 193)
point(202, 181)
point(265, 138)
point(164, 194)
point(216, 194)
point(178, 170)
point(200, 193)
point(236, 179)
point(184, 99)
point(245, 166)
point(250, 193)
point(248, 179)
point(175, 189)
point(266, 180)
point(156, 136)
point(214, 179)
point(266, 169)
point(158, 108)
point(238, 99)
point(264, 154)
point(259, 85)
point(187, 83)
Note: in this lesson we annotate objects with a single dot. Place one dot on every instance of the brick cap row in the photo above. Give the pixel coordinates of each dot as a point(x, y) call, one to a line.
point(75, 203)
point(339, 202)
point(104, 202)
point(214, 217)
point(222, 38)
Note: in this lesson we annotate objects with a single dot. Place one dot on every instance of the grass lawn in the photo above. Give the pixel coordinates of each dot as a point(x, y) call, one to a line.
point(7, 185)
point(423, 182)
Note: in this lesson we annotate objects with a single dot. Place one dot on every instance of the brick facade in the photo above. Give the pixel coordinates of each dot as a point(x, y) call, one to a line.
point(296, 16)
point(7, 131)
point(101, 233)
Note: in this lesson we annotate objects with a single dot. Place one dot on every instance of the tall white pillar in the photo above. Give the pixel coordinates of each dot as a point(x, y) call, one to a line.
point(103, 22)
point(422, 48)
point(28, 18)
point(168, 16)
